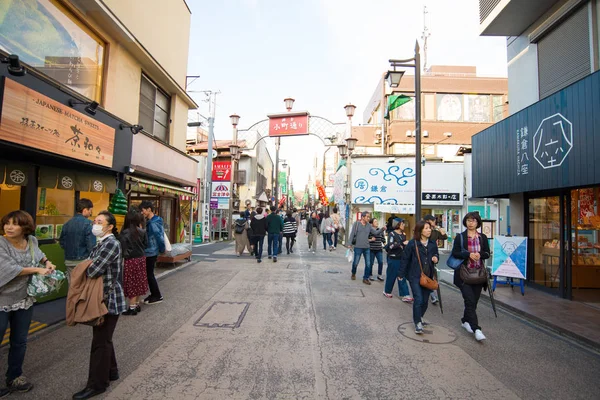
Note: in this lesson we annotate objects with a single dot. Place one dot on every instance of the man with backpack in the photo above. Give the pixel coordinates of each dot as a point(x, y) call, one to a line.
point(240, 228)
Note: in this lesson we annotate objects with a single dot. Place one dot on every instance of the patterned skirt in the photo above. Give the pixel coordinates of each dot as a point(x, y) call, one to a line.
point(135, 282)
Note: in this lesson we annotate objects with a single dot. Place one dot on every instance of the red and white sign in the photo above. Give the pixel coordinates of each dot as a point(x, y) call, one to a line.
point(221, 171)
point(221, 189)
point(288, 124)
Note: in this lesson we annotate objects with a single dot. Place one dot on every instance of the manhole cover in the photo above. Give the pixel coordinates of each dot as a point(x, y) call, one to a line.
point(331, 271)
point(433, 334)
point(223, 314)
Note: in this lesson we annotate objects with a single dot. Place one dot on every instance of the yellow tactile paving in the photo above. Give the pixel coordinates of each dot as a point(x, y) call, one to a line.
point(33, 327)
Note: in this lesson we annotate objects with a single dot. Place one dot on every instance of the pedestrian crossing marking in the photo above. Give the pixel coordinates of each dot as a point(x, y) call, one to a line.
point(33, 327)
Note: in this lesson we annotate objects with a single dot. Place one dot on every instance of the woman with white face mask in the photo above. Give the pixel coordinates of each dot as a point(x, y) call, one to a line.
point(106, 262)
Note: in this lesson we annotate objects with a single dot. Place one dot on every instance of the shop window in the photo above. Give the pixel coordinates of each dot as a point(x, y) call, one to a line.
point(585, 219)
point(544, 234)
point(54, 208)
point(100, 200)
point(48, 37)
point(10, 199)
point(155, 106)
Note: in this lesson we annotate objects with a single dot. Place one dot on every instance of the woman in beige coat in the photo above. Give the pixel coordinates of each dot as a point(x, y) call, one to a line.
point(240, 230)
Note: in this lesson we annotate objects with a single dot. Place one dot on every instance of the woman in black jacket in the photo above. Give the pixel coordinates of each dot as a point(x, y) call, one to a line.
point(395, 248)
point(258, 225)
point(134, 241)
point(472, 247)
point(410, 268)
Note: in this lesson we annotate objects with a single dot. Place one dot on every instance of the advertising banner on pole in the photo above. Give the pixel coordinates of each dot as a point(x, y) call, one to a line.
point(510, 257)
point(205, 221)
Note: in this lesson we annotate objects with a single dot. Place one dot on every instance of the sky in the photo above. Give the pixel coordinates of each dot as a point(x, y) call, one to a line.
point(323, 53)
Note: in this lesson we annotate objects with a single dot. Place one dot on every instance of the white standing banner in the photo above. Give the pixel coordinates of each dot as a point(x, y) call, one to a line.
point(388, 184)
point(205, 221)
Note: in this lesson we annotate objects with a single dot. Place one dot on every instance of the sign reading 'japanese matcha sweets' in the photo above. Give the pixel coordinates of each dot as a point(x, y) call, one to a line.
point(118, 204)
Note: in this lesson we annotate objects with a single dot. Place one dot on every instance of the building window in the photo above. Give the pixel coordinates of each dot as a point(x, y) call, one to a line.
point(429, 107)
point(449, 107)
point(406, 112)
point(498, 107)
point(155, 109)
point(477, 108)
point(49, 38)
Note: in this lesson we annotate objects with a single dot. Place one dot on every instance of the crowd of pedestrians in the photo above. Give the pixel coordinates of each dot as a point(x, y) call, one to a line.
point(409, 256)
point(412, 263)
point(115, 268)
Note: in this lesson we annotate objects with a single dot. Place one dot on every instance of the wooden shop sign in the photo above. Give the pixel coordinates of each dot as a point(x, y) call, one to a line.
point(34, 120)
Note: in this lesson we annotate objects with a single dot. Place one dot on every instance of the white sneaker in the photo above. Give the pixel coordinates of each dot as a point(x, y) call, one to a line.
point(419, 328)
point(468, 327)
point(479, 336)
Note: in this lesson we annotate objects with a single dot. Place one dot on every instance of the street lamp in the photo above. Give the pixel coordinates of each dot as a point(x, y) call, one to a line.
point(349, 147)
point(393, 77)
point(342, 150)
point(289, 103)
point(350, 108)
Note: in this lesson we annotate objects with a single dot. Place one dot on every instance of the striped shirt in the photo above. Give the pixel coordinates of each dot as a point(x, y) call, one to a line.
point(290, 227)
point(377, 244)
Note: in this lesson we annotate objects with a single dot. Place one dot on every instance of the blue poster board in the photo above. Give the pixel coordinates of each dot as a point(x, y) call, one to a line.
point(510, 261)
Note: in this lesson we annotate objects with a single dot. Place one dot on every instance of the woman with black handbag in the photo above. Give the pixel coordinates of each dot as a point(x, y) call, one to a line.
point(471, 277)
point(418, 266)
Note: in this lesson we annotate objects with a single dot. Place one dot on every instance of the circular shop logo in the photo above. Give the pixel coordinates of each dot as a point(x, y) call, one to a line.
point(67, 182)
point(98, 187)
point(17, 176)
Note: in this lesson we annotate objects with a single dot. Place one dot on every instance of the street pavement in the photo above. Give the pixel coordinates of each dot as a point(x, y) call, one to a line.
point(230, 328)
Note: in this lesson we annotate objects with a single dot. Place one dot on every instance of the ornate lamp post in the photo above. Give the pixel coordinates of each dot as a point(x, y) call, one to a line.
point(393, 78)
point(289, 104)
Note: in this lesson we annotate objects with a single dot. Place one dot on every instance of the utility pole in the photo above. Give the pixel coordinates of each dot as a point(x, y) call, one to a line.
point(212, 106)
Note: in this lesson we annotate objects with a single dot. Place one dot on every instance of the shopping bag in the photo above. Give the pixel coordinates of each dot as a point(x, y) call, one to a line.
point(349, 255)
point(43, 285)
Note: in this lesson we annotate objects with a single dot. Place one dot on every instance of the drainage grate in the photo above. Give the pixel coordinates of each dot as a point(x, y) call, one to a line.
point(432, 334)
point(223, 314)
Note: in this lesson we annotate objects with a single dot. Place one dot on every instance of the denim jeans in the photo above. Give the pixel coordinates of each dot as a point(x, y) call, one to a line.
point(379, 256)
point(19, 328)
point(280, 248)
point(258, 246)
point(327, 238)
point(152, 283)
point(273, 244)
point(335, 237)
point(367, 256)
point(421, 296)
point(391, 276)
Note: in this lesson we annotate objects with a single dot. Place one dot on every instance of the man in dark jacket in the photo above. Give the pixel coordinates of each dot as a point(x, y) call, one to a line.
point(437, 234)
point(274, 229)
point(258, 226)
point(76, 237)
point(156, 245)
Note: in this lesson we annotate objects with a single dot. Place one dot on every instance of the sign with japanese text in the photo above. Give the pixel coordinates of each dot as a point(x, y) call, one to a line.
point(205, 221)
point(288, 125)
point(510, 257)
point(34, 120)
point(221, 189)
point(394, 184)
point(221, 171)
point(283, 182)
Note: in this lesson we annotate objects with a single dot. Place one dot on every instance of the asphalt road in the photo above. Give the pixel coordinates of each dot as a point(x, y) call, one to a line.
point(230, 328)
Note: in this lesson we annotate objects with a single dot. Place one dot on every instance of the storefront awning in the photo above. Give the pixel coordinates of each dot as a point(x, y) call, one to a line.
point(161, 187)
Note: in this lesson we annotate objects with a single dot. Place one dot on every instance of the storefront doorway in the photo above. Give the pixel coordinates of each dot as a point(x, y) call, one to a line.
point(564, 244)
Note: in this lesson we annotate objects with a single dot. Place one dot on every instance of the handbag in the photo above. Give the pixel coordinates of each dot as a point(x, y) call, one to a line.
point(473, 276)
point(43, 285)
point(454, 262)
point(425, 281)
